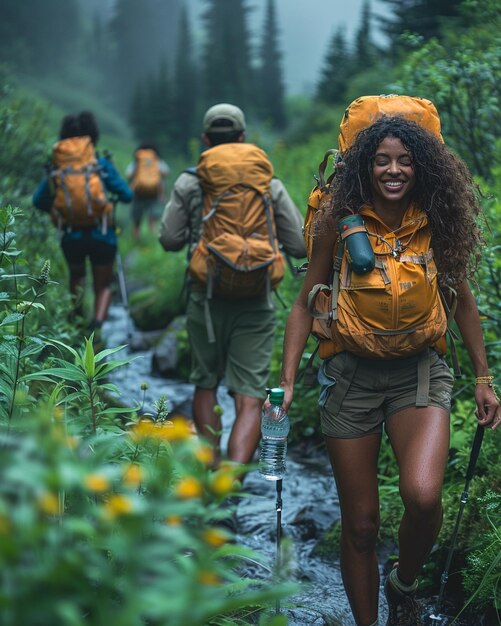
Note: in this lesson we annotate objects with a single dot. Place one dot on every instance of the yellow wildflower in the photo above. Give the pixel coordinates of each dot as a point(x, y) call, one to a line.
point(177, 429)
point(117, 505)
point(71, 442)
point(143, 429)
point(204, 454)
point(189, 487)
point(173, 520)
point(222, 482)
point(58, 413)
point(133, 475)
point(49, 503)
point(208, 578)
point(215, 537)
point(97, 483)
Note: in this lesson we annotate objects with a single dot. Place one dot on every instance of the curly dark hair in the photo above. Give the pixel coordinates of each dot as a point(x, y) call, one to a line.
point(80, 125)
point(444, 189)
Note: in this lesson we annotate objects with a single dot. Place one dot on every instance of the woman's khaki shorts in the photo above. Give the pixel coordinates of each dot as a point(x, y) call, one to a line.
point(358, 395)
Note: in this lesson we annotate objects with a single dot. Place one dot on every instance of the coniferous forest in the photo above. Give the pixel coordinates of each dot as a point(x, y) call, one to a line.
point(110, 518)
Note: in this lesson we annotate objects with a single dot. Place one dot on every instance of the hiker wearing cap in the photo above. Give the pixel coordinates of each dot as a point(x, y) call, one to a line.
point(233, 213)
point(381, 325)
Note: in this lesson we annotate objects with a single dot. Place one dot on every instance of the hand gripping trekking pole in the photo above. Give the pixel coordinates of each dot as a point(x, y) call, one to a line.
point(437, 617)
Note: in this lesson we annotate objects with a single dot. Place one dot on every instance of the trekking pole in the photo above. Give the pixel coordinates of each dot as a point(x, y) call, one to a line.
point(274, 430)
point(122, 285)
point(295, 271)
point(279, 534)
point(475, 450)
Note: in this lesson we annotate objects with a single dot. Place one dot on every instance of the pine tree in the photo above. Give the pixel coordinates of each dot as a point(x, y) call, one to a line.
point(336, 71)
point(364, 47)
point(227, 71)
point(271, 85)
point(186, 92)
point(150, 110)
point(98, 48)
point(160, 119)
point(130, 28)
point(423, 17)
point(138, 111)
point(38, 36)
point(143, 32)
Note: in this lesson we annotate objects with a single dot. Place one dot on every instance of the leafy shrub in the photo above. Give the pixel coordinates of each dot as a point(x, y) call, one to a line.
point(24, 137)
point(105, 517)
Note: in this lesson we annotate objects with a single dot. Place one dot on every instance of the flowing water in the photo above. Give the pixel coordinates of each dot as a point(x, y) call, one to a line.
point(310, 503)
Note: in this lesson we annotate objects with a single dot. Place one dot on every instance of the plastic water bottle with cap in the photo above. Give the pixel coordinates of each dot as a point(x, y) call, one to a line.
point(275, 427)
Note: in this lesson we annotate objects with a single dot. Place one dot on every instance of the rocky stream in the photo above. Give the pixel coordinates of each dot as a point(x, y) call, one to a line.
point(310, 503)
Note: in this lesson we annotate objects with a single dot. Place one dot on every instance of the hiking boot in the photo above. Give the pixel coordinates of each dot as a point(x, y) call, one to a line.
point(403, 609)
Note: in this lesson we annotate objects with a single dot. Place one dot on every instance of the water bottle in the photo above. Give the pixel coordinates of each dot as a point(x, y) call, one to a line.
point(274, 430)
point(359, 251)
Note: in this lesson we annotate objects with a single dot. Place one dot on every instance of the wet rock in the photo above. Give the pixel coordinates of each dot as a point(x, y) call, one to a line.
point(165, 355)
point(306, 524)
point(149, 312)
point(139, 341)
point(184, 409)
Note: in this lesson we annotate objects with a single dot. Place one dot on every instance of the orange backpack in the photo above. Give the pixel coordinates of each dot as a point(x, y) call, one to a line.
point(147, 176)
point(80, 199)
point(237, 255)
point(360, 114)
point(397, 309)
point(393, 311)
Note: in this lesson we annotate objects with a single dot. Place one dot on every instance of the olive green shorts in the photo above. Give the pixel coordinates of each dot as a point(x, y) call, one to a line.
point(241, 355)
point(358, 395)
point(141, 207)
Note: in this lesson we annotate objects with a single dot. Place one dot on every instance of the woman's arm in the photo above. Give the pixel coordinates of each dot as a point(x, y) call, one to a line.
point(113, 182)
point(299, 322)
point(468, 321)
point(43, 197)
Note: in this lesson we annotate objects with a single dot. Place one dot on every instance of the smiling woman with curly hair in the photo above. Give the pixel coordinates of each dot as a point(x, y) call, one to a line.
point(381, 328)
point(444, 190)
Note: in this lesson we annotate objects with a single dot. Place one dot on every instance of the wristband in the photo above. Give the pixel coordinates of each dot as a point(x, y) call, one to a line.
point(485, 380)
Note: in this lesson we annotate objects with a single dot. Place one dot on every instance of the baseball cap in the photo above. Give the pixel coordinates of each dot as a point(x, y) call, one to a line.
point(224, 111)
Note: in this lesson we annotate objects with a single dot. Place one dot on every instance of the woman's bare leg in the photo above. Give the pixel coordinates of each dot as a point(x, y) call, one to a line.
point(420, 440)
point(207, 419)
point(103, 278)
point(77, 286)
point(354, 463)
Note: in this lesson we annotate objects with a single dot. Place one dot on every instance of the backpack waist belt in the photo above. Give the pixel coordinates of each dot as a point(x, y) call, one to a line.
point(421, 360)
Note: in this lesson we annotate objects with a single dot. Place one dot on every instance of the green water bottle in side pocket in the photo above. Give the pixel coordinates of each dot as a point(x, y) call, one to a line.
point(358, 248)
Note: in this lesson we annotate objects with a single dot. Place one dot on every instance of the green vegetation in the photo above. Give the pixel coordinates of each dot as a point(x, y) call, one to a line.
point(104, 516)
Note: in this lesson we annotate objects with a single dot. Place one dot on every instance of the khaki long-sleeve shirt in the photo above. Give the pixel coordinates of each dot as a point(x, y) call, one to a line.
point(182, 215)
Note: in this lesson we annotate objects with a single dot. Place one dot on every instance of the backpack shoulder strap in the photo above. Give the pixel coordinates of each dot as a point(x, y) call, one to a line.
point(450, 305)
point(336, 279)
point(323, 165)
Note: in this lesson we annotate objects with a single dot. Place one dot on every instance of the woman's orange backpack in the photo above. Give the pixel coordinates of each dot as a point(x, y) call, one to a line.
point(80, 199)
point(359, 115)
point(397, 309)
